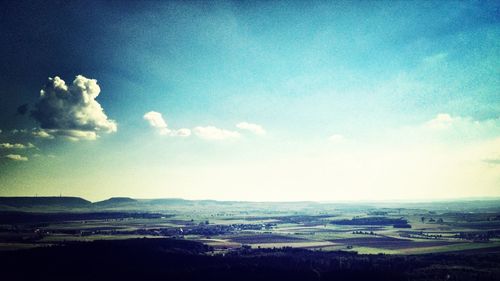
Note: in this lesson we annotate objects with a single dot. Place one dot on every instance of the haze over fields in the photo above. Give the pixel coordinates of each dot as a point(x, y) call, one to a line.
point(243, 100)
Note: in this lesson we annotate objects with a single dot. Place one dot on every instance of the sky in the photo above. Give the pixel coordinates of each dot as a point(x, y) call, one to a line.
point(250, 100)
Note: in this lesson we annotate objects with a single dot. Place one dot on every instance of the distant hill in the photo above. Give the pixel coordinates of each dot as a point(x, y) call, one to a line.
point(184, 202)
point(122, 203)
point(115, 201)
point(56, 203)
point(29, 202)
point(168, 201)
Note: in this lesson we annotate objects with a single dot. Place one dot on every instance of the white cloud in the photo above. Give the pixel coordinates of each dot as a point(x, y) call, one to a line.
point(181, 133)
point(16, 157)
point(40, 133)
point(71, 111)
point(76, 135)
point(441, 121)
point(254, 128)
point(72, 135)
point(214, 133)
point(16, 145)
point(459, 128)
point(155, 120)
point(336, 138)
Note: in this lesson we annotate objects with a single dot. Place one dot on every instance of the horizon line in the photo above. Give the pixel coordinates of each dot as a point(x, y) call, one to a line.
point(348, 201)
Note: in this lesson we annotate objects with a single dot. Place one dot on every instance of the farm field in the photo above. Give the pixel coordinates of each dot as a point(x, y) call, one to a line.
point(225, 226)
point(394, 241)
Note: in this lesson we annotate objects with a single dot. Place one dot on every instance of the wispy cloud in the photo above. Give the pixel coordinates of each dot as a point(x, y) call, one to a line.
point(441, 121)
point(254, 128)
point(336, 138)
point(18, 131)
point(16, 145)
point(43, 134)
point(461, 128)
point(16, 157)
point(493, 161)
point(214, 133)
point(436, 58)
point(181, 133)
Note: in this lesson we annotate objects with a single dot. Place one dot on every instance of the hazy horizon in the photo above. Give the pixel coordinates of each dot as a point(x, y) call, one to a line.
point(243, 101)
point(347, 201)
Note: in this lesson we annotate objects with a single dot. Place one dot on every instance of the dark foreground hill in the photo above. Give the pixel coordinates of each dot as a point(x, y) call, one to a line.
point(31, 202)
point(169, 259)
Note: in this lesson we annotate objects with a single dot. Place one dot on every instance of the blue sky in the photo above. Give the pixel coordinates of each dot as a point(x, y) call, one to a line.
point(341, 101)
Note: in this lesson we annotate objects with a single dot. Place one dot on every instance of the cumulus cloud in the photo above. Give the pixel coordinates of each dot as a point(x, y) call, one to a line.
point(155, 120)
point(214, 133)
point(16, 157)
point(71, 111)
point(16, 145)
point(254, 128)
